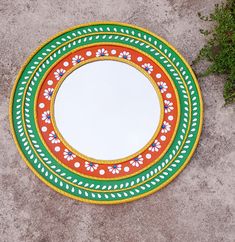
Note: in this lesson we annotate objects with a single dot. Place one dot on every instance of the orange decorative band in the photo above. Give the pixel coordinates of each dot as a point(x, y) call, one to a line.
point(84, 165)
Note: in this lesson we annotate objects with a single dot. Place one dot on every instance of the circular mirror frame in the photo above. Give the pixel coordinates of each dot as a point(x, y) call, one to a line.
point(63, 180)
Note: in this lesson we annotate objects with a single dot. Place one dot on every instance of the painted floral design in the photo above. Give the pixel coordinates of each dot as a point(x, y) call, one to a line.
point(90, 166)
point(53, 138)
point(102, 52)
point(68, 155)
point(48, 93)
point(77, 59)
point(46, 117)
point(137, 161)
point(125, 55)
point(59, 73)
point(155, 146)
point(166, 127)
point(115, 169)
point(168, 106)
point(148, 67)
point(162, 86)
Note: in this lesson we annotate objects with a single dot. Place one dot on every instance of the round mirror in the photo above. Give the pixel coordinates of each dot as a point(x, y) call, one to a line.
point(107, 110)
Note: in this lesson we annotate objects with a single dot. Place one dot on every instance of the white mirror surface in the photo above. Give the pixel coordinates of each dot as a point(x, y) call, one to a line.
point(107, 110)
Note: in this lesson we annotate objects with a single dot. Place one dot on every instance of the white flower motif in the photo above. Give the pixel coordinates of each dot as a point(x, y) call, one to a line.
point(91, 166)
point(166, 127)
point(125, 55)
point(162, 86)
point(102, 52)
point(168, 106)
point(46, 117)
point(148, 67)
point(59, 73)
point(137, 161)
point(53, 138)
point(48, 93)
point(68, 155)
point(77, 59)
point(155, 146)
point(115, 169)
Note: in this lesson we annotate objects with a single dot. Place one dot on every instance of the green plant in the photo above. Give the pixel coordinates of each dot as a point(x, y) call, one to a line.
point(220, 48)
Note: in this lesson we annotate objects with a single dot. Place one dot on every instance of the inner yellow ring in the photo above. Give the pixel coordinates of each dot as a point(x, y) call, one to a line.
point(79, 154)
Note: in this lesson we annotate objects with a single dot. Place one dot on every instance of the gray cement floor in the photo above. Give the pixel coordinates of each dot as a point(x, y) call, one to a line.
point(197, 206)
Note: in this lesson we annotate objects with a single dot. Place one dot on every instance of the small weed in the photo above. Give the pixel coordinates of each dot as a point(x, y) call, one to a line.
point(220, 48)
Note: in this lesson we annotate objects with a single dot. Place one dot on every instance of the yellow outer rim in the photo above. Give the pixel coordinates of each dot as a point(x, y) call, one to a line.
point(118, 201)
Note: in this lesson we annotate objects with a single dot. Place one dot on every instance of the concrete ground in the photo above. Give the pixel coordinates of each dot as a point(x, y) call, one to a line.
point(197, 206)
